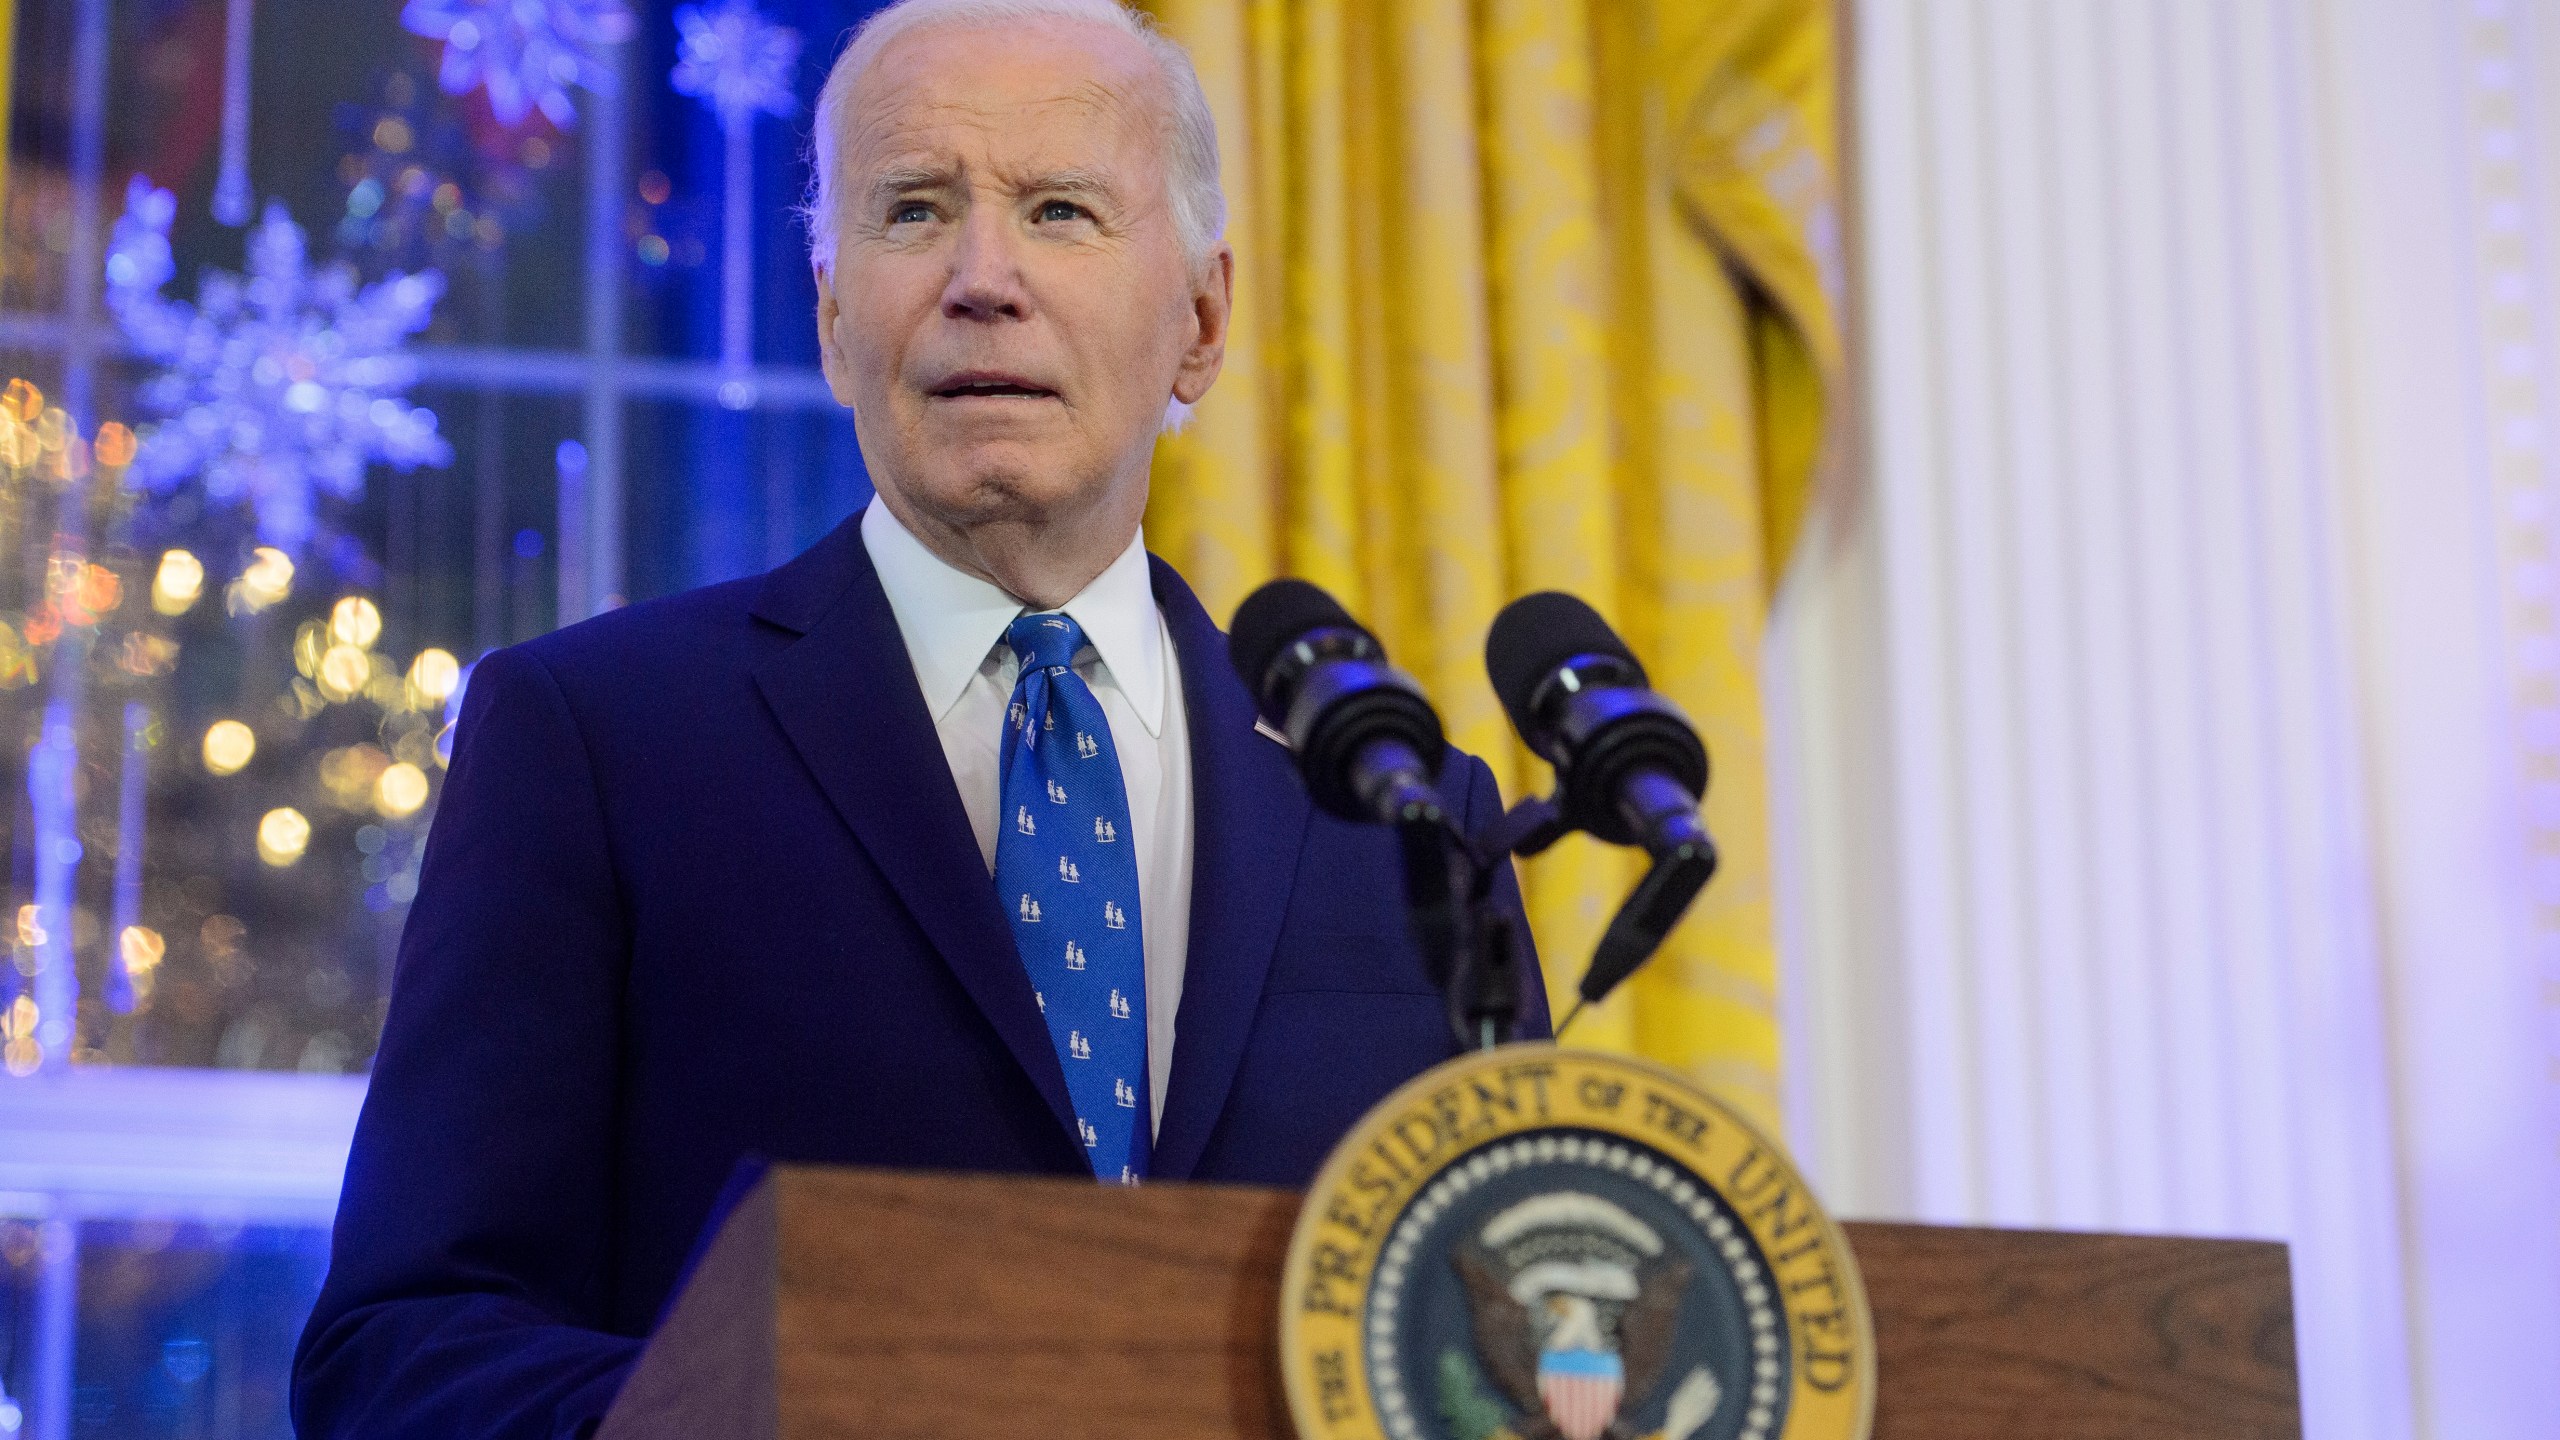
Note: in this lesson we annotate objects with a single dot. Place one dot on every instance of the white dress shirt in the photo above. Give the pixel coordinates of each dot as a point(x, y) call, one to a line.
point(954, 625)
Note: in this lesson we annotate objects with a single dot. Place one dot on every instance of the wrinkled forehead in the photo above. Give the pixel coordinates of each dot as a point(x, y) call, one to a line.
point(1037, 97)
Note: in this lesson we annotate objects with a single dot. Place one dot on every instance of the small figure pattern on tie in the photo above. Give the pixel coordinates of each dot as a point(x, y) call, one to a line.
point(1071, 885)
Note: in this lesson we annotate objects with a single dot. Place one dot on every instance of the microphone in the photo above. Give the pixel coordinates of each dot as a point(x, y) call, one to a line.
point(1629, 766)
point(1367, 742)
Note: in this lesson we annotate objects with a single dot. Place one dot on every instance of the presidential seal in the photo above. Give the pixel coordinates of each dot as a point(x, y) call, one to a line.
point(1530, 1243)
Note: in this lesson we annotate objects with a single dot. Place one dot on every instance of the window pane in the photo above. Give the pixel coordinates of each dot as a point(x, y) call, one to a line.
point(188, 1329)
point(228, 676)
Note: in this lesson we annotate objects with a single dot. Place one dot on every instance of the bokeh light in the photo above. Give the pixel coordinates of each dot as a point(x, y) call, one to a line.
point(99, 591)
point(310, 638)
point(22, 401)
point(344, 669)
point(18, 1026)
point(115, 446)
point(178, 584)
point(267, 581)
point(282, 836)
point(434, 674)
point(228, 747)
point(400, 790)
point(142, 949)
point(348, 773)
point(355, 621)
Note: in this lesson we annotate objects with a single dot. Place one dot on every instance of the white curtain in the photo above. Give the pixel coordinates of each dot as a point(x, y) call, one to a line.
point(2169, 723)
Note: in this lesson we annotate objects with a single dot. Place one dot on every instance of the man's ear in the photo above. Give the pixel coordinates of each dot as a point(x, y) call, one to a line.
point(830, 355)
point(1212, 306)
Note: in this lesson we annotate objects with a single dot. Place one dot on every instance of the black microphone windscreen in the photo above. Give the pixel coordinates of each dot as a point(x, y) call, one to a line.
point(1536, 634)
point(1273, 616)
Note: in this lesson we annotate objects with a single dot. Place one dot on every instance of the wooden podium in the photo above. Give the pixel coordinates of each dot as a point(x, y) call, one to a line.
point(873, 1305)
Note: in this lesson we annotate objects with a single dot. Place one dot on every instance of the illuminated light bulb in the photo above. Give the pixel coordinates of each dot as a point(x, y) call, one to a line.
point(228, 747)
point(142, 949)
point(434, 674)
point(282, 836)
point(344, 669)
point(19, 1020)
point(30, 926)
point(400, 790)
point(355, 621)
point(179, 583)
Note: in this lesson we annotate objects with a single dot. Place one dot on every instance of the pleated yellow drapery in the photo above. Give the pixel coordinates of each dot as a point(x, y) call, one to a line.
point(1531, 294)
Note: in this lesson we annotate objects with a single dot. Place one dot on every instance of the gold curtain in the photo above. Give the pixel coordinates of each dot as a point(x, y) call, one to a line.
point(1531, 294)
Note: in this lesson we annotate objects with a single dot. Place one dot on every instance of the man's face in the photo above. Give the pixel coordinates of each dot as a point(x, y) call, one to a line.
point(1009, 307)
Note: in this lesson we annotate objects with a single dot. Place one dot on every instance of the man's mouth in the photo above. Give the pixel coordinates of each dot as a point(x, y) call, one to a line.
point(990, 385)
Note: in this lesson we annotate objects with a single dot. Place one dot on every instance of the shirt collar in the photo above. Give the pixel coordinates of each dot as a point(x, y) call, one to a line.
point(952, 619)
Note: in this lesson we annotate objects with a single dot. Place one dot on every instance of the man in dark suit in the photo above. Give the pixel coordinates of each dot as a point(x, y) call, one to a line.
point(953, 843)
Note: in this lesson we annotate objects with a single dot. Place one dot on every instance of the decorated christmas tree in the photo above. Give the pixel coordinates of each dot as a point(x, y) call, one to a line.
point(229, 777)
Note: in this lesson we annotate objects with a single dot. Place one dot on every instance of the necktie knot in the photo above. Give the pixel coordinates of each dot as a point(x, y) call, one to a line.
point(1045, 642)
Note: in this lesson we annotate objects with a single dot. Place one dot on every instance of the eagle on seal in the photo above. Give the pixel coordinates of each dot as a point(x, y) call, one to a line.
point(1575, 1304)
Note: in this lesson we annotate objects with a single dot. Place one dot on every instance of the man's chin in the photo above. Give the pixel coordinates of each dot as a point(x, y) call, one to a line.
point(999, 482)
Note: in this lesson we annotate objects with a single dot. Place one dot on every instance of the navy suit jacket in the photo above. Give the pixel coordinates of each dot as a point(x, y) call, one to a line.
point(701, 888)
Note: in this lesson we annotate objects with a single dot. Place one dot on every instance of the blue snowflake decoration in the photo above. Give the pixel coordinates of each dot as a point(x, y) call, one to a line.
point(734, 60)
point(525, 53)
point(274, 385)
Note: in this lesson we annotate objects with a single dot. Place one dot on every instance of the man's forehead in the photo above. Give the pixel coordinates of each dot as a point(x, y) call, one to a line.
point(936, 96)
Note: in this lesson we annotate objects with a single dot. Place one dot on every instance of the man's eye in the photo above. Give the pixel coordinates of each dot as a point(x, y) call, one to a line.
point(911, 213)
point(1061, 210)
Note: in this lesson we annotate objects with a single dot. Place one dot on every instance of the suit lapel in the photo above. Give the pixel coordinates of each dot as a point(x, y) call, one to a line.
point(1249, 818)
point(845, 694)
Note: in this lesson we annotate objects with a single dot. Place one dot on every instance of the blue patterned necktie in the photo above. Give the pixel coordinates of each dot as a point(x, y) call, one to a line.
point(1067, 873)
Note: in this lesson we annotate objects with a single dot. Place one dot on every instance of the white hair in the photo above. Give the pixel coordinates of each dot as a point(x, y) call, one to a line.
point(1193, 192)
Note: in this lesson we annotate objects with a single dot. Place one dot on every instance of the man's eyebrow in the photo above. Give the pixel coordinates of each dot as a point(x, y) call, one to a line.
point(898, 179)
point(907, 179)
point(1067, 182)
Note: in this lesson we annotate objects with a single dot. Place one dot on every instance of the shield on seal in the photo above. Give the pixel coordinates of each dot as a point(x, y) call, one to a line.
point(1581, 1389)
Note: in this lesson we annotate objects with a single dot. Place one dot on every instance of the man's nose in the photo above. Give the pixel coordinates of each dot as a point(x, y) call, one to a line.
point(986, 276)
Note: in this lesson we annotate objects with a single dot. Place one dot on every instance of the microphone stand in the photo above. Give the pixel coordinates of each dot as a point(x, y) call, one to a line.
point(1643, 920)
point(1469, 946)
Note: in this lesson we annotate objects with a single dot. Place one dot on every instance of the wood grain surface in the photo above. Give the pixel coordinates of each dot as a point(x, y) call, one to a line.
point(2077, 1337)
point(1060, 1309)
point(890, 1306)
